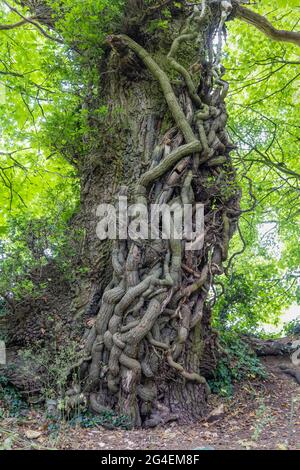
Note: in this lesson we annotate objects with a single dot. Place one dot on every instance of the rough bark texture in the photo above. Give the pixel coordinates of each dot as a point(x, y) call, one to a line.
point(152, 347)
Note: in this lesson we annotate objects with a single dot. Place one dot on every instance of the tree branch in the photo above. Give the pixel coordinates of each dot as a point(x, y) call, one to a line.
point(261, 23)
point(179, 116)
point(7, 27)
point(30, 21)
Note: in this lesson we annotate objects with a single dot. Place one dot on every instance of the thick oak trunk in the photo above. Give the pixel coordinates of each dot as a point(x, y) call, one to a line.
point(152, 347)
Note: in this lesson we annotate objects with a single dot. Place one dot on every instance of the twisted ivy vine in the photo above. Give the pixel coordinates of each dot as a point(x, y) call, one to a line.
point(151, 311)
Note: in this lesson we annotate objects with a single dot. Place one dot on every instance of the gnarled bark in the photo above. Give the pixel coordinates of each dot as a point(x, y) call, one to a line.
point(152, 341)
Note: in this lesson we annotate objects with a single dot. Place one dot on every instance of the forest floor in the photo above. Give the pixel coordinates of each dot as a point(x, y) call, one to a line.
point(260, 415)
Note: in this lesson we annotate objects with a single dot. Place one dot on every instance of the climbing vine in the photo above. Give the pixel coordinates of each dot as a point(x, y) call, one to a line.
point(151, 315)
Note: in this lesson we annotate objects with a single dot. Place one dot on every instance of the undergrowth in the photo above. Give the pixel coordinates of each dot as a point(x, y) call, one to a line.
point(54, 379)
point(108, 419)
point(238, 363)
point(293, 327)
point(11, 402)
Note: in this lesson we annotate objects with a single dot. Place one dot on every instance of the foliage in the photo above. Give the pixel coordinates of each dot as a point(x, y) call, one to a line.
point(11, 402)
point(29, 246)
point(263, 419)
point(292, 328)
point(108, 419)
point(264, 122)
point(55, 366)
point(256, 292)
point(34, 75)
point(238, 363)
point(86, 24)
point(2, 308)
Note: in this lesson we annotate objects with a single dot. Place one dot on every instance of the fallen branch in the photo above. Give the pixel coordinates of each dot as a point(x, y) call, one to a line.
point(269, 347)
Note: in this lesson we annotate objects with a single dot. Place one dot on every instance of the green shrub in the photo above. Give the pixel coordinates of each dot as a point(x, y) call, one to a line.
point(293, 327)
point(238, 363)
point(108, 419)
point(55, 363)
point(11, 402)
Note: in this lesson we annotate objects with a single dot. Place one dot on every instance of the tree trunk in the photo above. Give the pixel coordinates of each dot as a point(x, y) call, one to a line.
point(164, 138)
